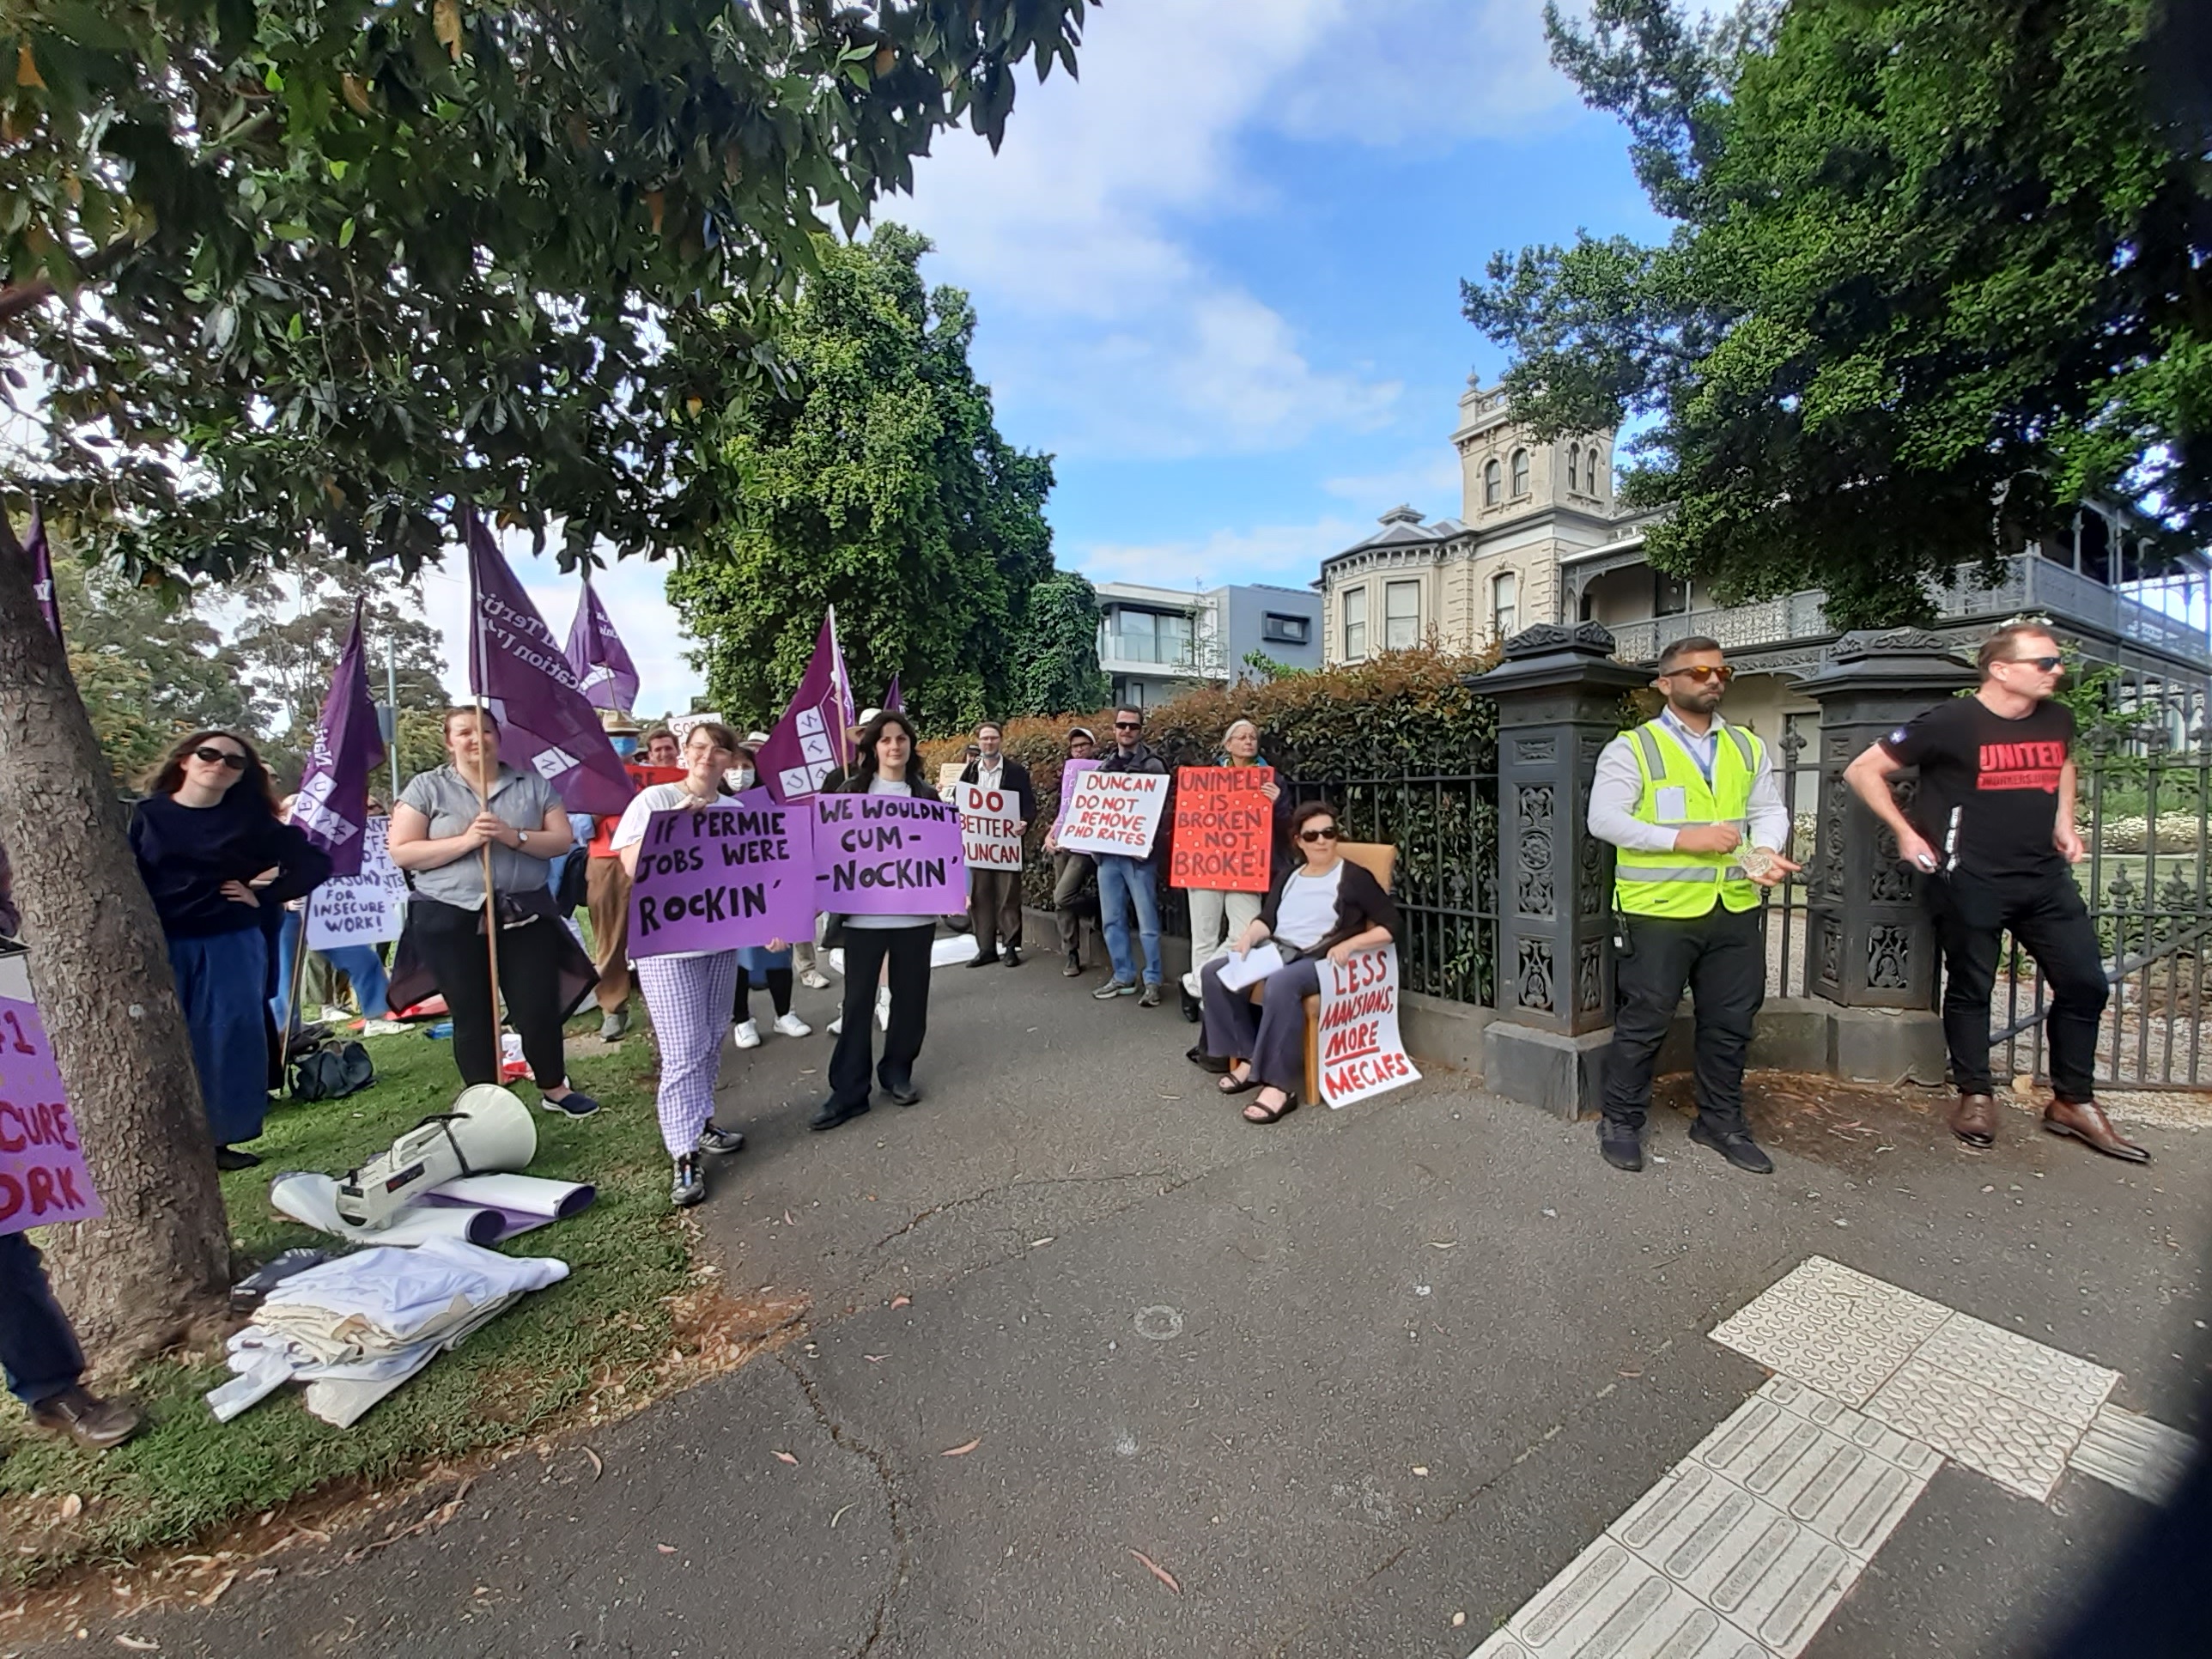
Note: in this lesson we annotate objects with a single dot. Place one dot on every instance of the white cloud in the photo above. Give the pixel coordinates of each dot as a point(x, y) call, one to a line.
point(1429, 480)
point(1287, 554)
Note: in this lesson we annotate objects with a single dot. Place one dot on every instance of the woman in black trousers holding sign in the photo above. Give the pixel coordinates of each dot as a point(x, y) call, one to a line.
point(886, 765)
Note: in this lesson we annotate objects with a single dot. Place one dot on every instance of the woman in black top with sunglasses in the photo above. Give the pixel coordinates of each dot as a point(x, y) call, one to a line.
point(1323, 905)
point(206, 834)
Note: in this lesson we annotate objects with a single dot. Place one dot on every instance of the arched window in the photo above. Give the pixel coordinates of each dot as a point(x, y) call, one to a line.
point(1504, 604)
point(1490, 483)
point(1593, 479)
point(1520, 472)
point(1574, 466)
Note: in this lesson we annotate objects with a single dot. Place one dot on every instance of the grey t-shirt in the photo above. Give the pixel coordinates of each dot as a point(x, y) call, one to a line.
point(449, 802)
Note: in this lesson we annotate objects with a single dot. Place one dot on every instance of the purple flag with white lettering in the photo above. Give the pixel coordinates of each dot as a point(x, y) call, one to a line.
point(546, 725)
point(809, 742)
point(42, 571)
point(333, 803)
point(891, 705)
point(605, 673)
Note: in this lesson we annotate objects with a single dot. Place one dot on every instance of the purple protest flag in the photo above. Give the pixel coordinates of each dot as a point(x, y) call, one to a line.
point(545, 723)
point(891, 704)
point(605, 673)
point(42, 571)
point(333, 803)
point(809, 742)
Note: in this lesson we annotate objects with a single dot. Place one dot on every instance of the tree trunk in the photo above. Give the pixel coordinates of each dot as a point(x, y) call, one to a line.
point(139, 1277)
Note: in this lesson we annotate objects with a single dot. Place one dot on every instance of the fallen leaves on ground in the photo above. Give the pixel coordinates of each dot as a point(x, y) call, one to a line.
point(1158, 1571)
point(599, 1466)
point(963, 1451)
point(665, 1549)
point(900, 1301)
point(785, 1457)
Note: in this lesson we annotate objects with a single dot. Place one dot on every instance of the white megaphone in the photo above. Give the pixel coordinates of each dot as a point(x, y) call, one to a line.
point(488, 1128)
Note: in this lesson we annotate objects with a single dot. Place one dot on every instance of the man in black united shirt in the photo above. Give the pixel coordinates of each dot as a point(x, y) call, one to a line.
point(1994, 836)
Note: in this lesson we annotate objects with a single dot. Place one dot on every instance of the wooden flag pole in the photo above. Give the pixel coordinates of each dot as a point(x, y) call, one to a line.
point(484, 804)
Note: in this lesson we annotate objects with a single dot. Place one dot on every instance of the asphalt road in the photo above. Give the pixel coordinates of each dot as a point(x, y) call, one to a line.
point(1077, 1331)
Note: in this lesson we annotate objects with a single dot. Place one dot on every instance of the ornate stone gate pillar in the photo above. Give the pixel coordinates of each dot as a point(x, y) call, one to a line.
point(1558, 694)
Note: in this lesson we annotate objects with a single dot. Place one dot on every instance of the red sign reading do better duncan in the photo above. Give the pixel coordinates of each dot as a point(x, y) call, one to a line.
point(43, 1179)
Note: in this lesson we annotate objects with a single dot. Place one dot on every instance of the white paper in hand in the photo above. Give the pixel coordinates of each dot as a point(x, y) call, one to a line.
point(1255, 965)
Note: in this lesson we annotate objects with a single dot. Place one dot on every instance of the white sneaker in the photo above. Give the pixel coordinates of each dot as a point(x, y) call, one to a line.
point(792, 1025)
point(747, 1035)
point(837, 1025)
point(815, 980)
point(884, 1007)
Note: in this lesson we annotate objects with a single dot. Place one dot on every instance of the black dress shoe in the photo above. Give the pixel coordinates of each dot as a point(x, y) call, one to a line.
point(1196, 1056)
point(234, 1157)
point(1621, 1146)
point(833, 1113)
point(1012, 958)
point(1736, 1145)
point(982, 962)
point(903, 1091)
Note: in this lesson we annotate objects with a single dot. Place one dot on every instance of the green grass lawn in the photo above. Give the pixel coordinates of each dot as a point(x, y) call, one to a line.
point(609, 1320)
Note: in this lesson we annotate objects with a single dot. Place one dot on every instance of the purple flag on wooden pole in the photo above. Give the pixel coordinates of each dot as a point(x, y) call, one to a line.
point(605, 673)
point(42, 571)
point(333, 804)
point(891, 703)
point(546, 725)
point(809, 742)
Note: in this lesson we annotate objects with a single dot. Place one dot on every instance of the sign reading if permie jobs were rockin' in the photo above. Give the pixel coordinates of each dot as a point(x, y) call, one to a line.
point(888, 855)
point(737, 873)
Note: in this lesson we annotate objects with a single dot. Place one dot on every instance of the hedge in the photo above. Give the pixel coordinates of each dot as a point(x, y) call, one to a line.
point(1398, 745)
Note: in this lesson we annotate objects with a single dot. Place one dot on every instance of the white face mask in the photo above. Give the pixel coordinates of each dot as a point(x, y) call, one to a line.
point(740, 778)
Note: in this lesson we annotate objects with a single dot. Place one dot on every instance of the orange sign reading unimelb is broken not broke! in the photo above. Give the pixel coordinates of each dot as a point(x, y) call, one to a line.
point(1224, 829)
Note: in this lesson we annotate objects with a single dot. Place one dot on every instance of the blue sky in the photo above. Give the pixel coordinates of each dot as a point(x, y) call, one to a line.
point(1218, 277)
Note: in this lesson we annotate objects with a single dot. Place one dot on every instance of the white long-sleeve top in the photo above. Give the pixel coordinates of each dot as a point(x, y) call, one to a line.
point(1619, 784)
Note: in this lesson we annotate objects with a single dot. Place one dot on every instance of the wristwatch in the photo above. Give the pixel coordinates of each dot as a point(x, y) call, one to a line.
point(522, 838)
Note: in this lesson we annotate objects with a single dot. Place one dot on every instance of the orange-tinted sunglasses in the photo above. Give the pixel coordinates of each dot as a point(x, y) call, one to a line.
point(1700, 674)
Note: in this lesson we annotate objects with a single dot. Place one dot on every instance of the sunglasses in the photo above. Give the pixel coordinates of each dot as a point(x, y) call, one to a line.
point(1128, 726)
point(2048, 665)
point(1327, 832)
point(215, 757)
point(1699, 674)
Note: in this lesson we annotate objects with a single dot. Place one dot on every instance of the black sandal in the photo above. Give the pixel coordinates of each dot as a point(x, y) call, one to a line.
point(1289, 1104)
point(1196, 1056)
point(1230, 1083)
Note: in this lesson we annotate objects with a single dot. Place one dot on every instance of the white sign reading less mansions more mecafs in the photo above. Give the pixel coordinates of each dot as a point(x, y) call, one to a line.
point(988, 832)
point(1115, 813)
point(1361, 1052)
point(363, 910)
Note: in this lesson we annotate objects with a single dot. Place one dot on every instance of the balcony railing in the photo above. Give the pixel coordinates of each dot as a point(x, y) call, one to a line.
point(2028, 583)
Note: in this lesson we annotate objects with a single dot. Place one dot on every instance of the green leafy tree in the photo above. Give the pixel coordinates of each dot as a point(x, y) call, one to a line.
point(295, 624)
point(1056, 653)
point(1941, 269)
point(288, 274)
point(868, 473)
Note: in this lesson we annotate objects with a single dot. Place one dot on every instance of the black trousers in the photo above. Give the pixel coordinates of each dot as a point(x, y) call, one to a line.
point(994, 909)
point(866, 951)
point(778, 980)
point(1722, 957)
point(452, 942)
point(2046, 914)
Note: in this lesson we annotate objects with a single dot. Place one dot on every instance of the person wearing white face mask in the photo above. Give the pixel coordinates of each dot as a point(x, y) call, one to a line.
point(762, 965)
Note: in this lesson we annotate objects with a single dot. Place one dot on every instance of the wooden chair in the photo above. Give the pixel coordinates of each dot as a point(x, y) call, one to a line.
point(1380, 860)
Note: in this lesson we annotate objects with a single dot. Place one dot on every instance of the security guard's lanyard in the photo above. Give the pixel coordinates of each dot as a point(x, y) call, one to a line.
point(1702, 751)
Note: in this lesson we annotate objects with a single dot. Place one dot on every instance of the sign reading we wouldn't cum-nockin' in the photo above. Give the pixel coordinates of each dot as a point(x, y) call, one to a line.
point(888, 855)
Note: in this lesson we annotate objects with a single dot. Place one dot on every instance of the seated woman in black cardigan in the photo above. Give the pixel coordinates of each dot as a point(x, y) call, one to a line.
point(1323, 906)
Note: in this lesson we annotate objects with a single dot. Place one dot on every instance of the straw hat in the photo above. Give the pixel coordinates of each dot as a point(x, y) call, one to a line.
point(618, 723)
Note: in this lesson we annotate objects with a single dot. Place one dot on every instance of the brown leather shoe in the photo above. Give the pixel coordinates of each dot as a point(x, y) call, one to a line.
point(84, 1417)
point(2085, 1120)
point(1974, 1120)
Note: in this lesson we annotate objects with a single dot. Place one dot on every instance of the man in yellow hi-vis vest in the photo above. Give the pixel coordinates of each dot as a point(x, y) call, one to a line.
point(1677, 798)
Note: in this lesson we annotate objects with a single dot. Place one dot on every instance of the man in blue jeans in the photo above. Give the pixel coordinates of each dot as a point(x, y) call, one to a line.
point(43, 1360)
point(1118, 873)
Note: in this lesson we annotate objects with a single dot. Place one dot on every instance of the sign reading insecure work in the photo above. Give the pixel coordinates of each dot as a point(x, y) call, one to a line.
point(738, 873)
point(988, 831)
point(1225, 828)
point(43, 1179)
point(363, 910)
point(888, 855)
point(1361, 1052)
point(1115, 813)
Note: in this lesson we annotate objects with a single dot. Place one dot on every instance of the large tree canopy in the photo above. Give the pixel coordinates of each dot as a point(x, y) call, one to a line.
point(352, 258)
point(868, 474)
point(1940, 270)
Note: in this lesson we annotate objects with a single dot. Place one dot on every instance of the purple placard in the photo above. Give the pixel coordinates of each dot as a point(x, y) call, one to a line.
point(43, 1179)
point(738, 873)
point(1069, 771)
point(888, 855)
